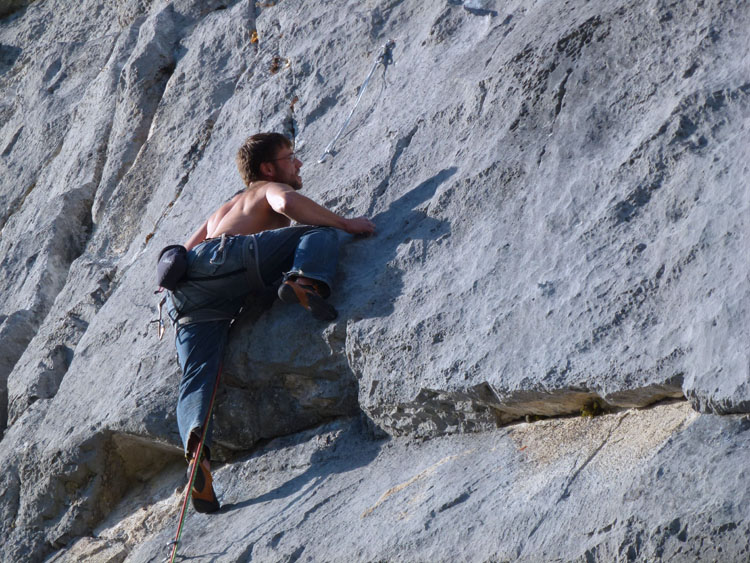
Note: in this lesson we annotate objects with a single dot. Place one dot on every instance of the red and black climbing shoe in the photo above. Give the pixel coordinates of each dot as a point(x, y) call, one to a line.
point(309, 296)
point(204, 498)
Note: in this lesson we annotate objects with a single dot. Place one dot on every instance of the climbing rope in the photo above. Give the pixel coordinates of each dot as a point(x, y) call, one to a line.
point(385, 58)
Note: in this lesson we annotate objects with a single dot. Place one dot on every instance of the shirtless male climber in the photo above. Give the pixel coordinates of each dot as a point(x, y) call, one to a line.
point(247, 246)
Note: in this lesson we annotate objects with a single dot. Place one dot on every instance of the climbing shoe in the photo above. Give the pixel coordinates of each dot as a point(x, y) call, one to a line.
point(204, 498)
point(309, 296)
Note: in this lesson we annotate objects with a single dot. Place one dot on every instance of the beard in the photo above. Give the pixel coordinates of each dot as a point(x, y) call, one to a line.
point(289, 177)
point(295, 183)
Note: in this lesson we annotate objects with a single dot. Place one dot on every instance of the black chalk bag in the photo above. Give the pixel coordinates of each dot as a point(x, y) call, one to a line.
point(172, 266)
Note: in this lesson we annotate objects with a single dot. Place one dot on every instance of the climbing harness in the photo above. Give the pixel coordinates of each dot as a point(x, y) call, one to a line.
point(176, 541)
point(385, 58)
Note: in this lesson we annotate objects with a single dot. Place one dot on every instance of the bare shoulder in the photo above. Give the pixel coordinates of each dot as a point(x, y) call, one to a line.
point(277, 187)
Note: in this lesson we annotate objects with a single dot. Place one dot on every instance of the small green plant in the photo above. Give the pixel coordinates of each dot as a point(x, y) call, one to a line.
point(592, 408)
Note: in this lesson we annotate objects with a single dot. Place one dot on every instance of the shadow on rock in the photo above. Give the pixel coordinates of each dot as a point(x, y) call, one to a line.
point(350, 450)
point(401, 223)
point(282, 375)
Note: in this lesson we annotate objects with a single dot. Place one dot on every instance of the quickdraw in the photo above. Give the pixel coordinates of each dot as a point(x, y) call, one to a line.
point(385, 57)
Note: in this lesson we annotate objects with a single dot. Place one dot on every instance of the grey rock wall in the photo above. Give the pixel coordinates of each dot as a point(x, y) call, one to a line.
point(562, 213)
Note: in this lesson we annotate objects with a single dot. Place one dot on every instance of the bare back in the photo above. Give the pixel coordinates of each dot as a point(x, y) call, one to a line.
point(245, 214)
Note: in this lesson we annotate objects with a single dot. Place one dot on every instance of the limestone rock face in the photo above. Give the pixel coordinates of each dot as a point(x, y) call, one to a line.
point(562, 227)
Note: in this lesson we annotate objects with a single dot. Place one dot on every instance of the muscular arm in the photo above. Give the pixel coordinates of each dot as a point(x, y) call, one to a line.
point(297, 207)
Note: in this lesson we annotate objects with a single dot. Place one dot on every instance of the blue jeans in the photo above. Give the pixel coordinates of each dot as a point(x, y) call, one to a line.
point(218, 282)
point(200, 348)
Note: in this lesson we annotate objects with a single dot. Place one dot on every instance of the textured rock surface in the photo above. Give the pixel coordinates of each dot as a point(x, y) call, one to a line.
point(560, 195)
point(622, 487)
